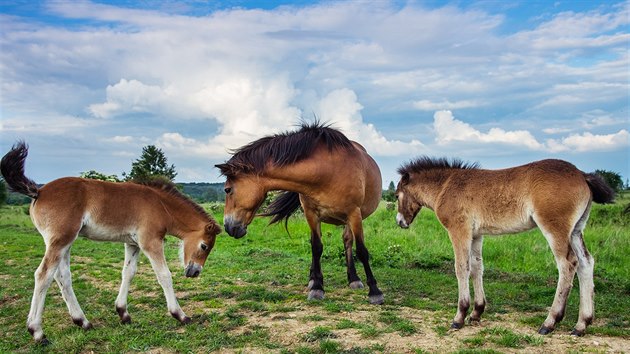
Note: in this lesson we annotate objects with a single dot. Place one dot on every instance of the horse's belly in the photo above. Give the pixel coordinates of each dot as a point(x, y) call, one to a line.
point(104, 233)
point(499, 227)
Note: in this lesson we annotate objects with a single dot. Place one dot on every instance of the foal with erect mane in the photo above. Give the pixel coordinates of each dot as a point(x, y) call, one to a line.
point(138, 215)
point(552, 195)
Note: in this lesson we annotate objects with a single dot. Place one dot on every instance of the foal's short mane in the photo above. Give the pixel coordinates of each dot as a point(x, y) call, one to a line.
point(170, 189)
point(284, 148)
point(426, 163)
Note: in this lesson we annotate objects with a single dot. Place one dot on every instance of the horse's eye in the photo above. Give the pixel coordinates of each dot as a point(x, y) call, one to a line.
point(228, 190)
point(204, 247)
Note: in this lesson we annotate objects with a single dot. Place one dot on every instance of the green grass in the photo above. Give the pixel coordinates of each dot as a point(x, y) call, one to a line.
point(259, 279)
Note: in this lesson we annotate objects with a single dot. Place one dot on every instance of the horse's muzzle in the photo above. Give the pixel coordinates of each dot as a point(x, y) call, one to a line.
point(400, 220)
point(234, 228)
point(192, 270)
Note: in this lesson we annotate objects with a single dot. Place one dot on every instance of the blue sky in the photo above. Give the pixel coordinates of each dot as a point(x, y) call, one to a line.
point(88, 84)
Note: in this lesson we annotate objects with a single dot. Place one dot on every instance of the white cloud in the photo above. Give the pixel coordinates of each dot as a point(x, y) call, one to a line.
point(449, 130)
point(591, 142)
point(426, 105)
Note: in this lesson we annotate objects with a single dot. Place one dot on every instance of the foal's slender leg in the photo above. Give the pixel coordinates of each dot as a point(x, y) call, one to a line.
point(476, 273)
point(585, 277)
point(129, 270)
point(567, 263)
point(64, 280)
point(43, 277)
point(155, 253)
point(353, 279)
point(356, 226)
point(316, 278)
point(462, 242)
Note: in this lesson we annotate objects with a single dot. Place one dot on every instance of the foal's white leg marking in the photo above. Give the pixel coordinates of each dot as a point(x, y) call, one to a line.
point(586, 264)
point(43, 277)
point(476, 273)
point(461, 248)
point(564, 257)
point(129, 270)
point(158, 262)
point(64, 280)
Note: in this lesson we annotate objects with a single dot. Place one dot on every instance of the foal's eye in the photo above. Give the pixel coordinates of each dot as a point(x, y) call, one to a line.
point(228, 190)
point(204, 247)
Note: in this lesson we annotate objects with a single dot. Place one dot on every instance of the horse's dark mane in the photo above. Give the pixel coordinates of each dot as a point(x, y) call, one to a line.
point(284, 148)
point(170, 188)
point(426, 163)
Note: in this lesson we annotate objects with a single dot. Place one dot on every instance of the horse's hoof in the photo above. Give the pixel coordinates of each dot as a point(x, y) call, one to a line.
point(376, 299)
point(186, 320)
point(456, 325)
point(577, 333)
point(474, 321)
point(357, 284)
point(316, 295)
point(43, 342)
point(88, 326)
point(125, 319)
point(545, 330)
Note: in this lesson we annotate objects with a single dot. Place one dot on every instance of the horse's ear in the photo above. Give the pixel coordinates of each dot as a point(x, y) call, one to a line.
point(212, 228)
point(404, 179)
point(224, 168)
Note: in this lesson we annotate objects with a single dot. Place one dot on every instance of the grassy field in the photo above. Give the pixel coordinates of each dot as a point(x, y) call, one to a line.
point(251, 295)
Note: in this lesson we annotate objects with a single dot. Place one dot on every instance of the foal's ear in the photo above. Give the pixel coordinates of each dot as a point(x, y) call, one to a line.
point(212, 228)
point(404, 179)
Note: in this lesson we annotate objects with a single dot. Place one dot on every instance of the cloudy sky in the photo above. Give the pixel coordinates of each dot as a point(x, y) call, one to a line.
point(87, 84)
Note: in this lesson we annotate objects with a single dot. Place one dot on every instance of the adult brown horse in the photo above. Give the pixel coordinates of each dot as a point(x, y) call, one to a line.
point(138, 215)
point(470, 202)
point(332, 178)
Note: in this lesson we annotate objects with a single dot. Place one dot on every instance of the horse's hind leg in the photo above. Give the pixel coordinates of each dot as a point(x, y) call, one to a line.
point(585, 276)
point(355, 222)
point(129, 270)
point(566, 262)
point(43, 277)
point(353, 279)
point(64, 280)
point(476, 273)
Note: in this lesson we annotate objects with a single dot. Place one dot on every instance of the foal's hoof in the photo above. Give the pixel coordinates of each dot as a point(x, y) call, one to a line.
point(357, 284)
point(376, 299)
point(474, 321)
point(83, 323)
point(126, 319)
point(545, 330)
point(186, 320)
point(577, 333)
point(316, 295)
point(456, 325)
point(44, 342)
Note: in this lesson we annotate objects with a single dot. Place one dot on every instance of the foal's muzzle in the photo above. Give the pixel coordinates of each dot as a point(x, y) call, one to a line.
point(192, 270)
point(234, 228)
point(400, 220)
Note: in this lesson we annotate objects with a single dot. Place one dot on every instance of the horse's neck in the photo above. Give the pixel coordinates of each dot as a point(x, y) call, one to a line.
point(289, 179)
point(430, 184)
point(183, 218)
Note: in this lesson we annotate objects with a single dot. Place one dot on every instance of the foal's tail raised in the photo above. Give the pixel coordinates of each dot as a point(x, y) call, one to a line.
point(602, 193)
point(12, 168)
point(282, 207)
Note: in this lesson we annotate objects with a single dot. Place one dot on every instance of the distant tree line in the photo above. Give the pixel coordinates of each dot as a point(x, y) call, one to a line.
point(153, 164)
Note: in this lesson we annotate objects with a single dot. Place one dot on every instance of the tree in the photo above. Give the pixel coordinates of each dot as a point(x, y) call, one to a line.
point(91, 174)
point(612, 178)
point(389, 195)
point(3, 191)
point(152, 164)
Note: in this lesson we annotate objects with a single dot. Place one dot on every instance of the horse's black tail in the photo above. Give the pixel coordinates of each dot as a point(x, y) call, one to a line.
point(602, 192)
point(282, 207)
point(12, 168)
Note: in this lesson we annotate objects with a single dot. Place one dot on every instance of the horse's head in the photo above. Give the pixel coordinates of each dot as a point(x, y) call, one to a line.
point(408, 205)
point(197, 245)
point(243, 196)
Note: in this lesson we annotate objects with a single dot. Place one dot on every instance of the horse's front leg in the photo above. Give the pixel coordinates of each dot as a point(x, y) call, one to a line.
point(155, 253)
point(461, 242)
point(356, 226)
point(316, 278)
point(353, 279)
point(129, 270)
